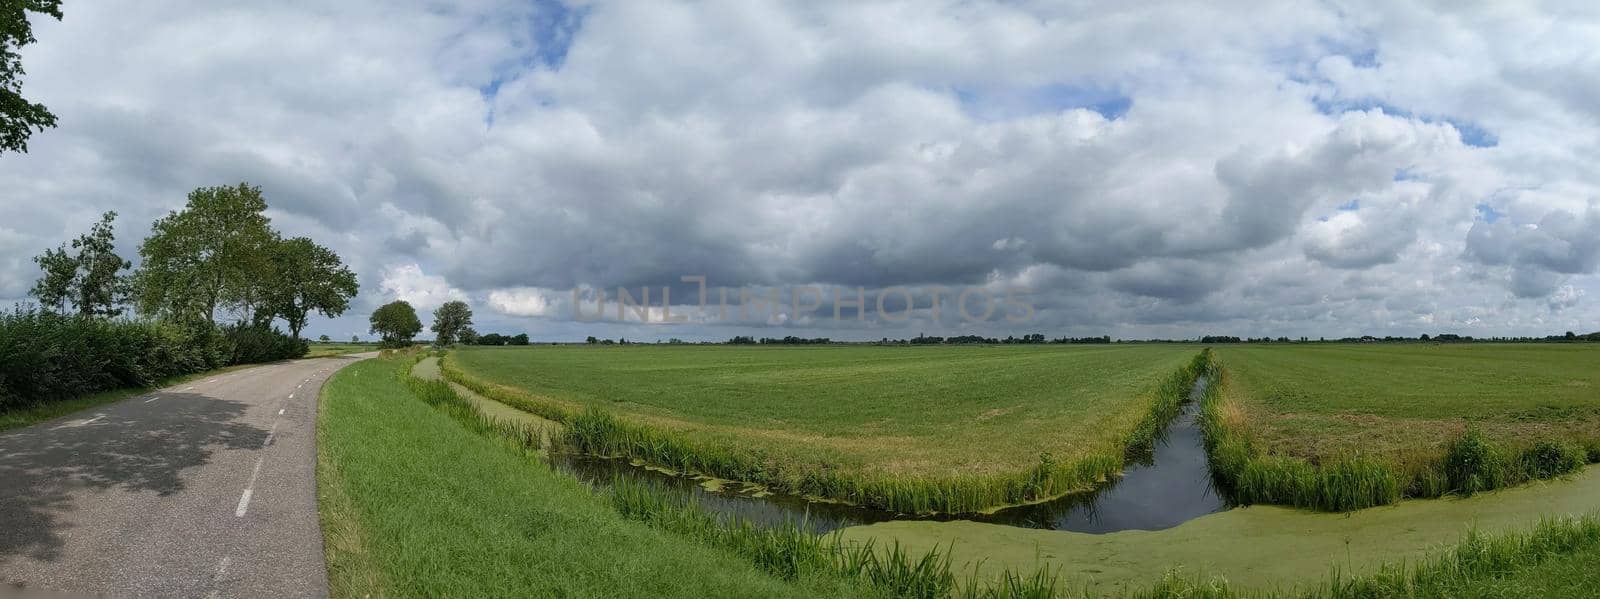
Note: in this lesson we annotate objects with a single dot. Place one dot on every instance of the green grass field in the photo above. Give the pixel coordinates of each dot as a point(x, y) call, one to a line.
point(319, 350)
point(1319, 401)
point(415, 505)
point(417, 501)
point(901, 413)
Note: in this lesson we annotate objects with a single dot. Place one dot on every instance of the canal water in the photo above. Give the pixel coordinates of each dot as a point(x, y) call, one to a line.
point(1169, 488)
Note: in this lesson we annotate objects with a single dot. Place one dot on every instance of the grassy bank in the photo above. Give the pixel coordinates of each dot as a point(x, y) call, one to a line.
point(1258, 548)
point(1325, 428)
point(915, 430)
point(1554, 559)
point(413, 504)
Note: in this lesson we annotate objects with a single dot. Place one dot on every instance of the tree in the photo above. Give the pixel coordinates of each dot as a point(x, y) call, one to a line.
point(101, 284)
point(324, 339)
point(396, 323)
point(19, 118)
point(308, 278)
point(469, 336)
point(210, 255)
point(591, 340)
point(53, 289)
point(448, 321)
point(91, 277)
point(519, 339)
point(355, 339)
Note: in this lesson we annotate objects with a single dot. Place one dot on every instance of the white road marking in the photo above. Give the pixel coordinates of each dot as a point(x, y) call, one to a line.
point(291, 396)
point(244, 504)
point(249, 488)
point(270, 433)
point(77, 423)
point(152, 398)
point(280, 411)
point(189, 388)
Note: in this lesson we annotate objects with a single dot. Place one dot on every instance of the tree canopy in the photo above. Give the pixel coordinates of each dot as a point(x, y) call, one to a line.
point(19, 118)
point(90, 277)
point(308, 278)
point(396, 323)
point(449, 320)
point(208, 256)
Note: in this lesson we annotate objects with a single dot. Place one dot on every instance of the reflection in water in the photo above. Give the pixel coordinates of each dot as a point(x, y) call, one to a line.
point(1172, 487)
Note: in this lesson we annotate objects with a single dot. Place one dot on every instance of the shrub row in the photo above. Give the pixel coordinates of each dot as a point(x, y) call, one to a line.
point(45, 357)
point(1247, 475)
point(595, 431)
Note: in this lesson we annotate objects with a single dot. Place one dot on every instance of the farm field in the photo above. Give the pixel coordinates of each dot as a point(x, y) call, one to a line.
point(413, 504)
point(319, 350)
point(902, 413)
point(1405, 402)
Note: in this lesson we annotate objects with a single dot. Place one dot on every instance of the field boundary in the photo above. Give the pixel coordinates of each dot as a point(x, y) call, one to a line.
point(599, 432)
point(1247, 473)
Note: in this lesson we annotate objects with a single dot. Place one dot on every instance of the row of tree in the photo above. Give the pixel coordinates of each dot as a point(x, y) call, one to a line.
point(217, 255)
point(396, 323)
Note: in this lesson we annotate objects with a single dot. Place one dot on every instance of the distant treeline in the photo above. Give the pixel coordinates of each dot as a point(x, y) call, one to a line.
point(497, 339)
point(1039, 338)
point(1569, 337)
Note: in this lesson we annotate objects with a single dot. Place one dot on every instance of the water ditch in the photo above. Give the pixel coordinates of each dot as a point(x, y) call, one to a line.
point(1168, 487)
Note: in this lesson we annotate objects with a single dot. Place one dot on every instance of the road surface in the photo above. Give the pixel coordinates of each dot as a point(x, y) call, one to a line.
point(207, 488)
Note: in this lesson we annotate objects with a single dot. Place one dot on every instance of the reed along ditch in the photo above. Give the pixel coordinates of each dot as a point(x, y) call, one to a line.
point(1167, 487)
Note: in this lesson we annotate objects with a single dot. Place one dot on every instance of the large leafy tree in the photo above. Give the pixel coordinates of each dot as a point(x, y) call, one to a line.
point(90, 276)
point(449, 320)
point(19, 118)
point(396, 322)
point(308, 278)
point(213, 254)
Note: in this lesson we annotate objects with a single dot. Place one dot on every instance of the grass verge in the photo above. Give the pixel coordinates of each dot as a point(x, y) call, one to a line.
point(413, 504)
point(600, 431)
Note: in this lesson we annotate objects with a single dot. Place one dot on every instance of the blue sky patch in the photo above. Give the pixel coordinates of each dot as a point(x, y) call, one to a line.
point(1472, 134)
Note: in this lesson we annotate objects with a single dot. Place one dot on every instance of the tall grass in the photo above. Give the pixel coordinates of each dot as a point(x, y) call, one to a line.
point(1477, 558)
point(601, 432)
point(789, 552)
point(1471, 463)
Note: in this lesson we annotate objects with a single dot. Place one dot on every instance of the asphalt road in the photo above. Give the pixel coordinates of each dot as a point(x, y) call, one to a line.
point(203, 489)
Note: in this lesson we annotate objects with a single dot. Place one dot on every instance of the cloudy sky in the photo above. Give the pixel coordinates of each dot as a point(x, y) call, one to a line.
point(1275, 168)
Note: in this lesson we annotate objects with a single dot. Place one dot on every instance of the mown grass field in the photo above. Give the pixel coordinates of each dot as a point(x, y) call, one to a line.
point(1320, 401)
point(907, 411)
point(415, 505)
point(420, 498)
point(319, 349)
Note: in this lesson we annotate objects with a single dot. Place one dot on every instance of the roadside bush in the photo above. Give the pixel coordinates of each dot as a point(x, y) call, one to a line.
point(243, 344)
point(1472, 464)
point(1549, 459)
point(46, 357)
